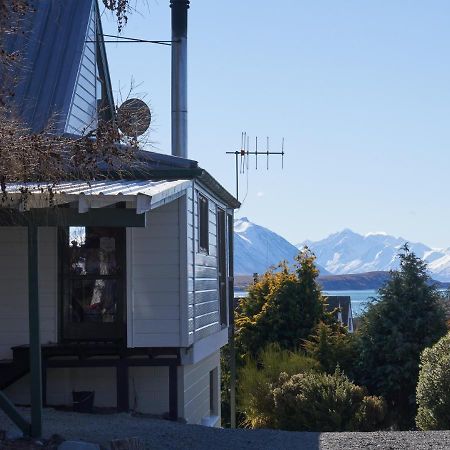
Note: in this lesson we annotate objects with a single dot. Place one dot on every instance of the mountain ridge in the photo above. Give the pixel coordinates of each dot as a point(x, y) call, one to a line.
point(344, 252)
point(257, 248)
point(350, 252)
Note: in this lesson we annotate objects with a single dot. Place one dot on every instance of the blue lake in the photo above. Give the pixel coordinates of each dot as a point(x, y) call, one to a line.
point(359, 299)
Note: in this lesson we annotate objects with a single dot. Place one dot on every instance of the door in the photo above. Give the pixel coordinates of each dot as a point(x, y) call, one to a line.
point(93, 283)
point(222, 265)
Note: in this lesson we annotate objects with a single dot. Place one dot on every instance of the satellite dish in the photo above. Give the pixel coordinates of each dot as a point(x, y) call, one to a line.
point(134, 117)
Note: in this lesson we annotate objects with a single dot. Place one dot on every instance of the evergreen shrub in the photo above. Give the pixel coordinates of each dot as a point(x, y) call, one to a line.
point(257, 377)
point(433, 388)
point(322, 402)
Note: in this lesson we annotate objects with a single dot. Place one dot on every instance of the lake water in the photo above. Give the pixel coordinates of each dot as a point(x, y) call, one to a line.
point(359, 299)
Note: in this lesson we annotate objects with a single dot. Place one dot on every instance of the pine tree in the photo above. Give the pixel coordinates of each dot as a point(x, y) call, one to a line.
point(394, 331)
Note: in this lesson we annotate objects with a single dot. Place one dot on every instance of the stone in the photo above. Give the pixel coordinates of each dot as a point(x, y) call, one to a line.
point(127, 444)
point(14, 434)
point(78, 445)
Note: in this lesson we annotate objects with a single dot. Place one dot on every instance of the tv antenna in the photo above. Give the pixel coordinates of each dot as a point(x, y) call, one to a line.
point(242, 156)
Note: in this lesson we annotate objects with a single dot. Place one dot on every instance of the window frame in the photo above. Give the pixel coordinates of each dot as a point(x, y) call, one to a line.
point(203, 223)
point(86, 331)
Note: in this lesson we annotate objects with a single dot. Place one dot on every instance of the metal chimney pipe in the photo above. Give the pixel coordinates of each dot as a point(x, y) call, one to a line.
point(179, 77)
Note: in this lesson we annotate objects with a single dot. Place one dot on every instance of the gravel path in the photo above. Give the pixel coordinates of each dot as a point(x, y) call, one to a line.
point(160, 434)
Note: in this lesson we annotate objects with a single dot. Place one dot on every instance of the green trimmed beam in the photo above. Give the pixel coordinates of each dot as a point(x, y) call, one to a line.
point(35, 335)
point(13, 413)
point(64, 217)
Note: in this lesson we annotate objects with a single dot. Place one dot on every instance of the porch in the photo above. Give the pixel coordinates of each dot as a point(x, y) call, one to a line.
point(95, 355)
point(85, 296)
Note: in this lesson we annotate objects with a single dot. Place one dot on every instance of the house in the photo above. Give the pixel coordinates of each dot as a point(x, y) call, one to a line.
point(135, 273)
point(342, 306)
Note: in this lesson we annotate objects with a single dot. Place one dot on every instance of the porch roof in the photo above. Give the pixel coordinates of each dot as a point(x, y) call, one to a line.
point(145, 195)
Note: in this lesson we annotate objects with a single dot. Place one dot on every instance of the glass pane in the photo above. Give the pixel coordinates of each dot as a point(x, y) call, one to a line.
point(93, 250)
point(93, 300)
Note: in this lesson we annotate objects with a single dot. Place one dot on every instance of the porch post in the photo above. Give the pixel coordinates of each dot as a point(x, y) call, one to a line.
point(34, 328)
point(173, 391)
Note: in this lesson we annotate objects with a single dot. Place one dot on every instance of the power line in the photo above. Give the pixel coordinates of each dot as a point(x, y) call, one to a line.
point(130, 40)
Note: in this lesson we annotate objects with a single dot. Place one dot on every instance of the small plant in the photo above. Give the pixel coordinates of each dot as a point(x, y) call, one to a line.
point(332, 346)
point(433, 388)
point(257, 378)
point(321, 402)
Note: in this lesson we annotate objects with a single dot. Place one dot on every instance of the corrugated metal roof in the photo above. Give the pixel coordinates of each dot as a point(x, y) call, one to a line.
point(146, 195)
point(116, 187)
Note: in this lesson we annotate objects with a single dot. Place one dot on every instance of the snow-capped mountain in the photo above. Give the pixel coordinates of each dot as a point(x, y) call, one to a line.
point(257, 248)
point(349, 252)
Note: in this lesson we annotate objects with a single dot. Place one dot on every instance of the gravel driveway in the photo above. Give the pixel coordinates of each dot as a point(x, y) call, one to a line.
point(160, 434)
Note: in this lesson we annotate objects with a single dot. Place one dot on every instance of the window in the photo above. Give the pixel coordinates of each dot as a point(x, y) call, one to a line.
point(203, 223)
point(222, 265)
point(93, 282)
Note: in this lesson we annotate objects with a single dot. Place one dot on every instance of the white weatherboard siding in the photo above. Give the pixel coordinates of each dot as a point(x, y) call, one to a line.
point(154, 280)
point(14, 287)
point(195, 394)
point(149, 387)
point(203, 294)
point(83, 110)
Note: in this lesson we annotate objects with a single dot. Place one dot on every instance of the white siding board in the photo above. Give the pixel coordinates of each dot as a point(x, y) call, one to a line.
point(14, 287)
point(154, 279)
point(160, 326)
point(196, 388)
point(149, 387)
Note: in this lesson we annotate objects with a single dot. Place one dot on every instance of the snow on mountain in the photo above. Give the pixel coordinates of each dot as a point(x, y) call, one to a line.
point(349, 252)
point(257, 248)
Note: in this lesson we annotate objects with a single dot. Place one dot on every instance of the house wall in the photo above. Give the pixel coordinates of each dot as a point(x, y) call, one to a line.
point(14, 287)
point(154, 279)
point(203, 293)
point(196, 393)
point(149, 388)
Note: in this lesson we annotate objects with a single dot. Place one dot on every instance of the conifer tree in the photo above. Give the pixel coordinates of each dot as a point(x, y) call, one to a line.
point(394, 331)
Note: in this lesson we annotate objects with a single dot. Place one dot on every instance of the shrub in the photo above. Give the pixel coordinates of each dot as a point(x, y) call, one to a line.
point(283, 307)
point(323, 402)
point(332, 346)
point(257, 377)
point(433, 388)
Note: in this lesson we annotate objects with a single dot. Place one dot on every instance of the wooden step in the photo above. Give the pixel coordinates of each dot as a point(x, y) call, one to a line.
point(11, 371)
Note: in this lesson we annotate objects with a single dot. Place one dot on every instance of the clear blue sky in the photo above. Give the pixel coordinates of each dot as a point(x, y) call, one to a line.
point(359, 89)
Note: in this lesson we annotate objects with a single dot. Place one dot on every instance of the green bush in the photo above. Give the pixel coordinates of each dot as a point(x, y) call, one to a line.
point(322, 402)
point(332, 346)
point(433, 388)
point(283, 307)
point(257, 377)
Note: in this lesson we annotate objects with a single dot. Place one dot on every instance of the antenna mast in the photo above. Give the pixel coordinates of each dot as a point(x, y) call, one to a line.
point(244, 154)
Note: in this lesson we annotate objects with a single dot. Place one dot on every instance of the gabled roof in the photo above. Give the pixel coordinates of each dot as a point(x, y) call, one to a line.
point(63, 56)
point(344, 305)
point(52, 48)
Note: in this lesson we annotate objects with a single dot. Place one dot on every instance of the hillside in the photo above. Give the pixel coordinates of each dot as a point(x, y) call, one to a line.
point(346, 252)
point(257, 248)
point(349, 252)
point(347, 282)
